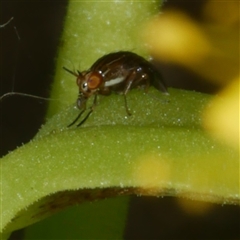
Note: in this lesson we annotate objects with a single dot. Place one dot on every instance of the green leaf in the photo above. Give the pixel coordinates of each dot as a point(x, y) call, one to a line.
point(161, 149)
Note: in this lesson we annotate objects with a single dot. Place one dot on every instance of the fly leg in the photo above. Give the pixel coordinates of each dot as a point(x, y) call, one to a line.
point(129, 81)
point(79, 115)
point(126, 105)
point(90, 111)
point(135, 77)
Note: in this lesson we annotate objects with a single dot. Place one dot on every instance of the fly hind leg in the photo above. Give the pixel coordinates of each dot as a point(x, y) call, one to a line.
point(135, 78)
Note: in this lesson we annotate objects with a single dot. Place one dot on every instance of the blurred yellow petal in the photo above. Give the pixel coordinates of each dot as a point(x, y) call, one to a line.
point(174, 37)
point(208, 49)
point(222, 117)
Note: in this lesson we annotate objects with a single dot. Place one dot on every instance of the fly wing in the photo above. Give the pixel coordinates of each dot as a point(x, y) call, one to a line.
point(156, 79)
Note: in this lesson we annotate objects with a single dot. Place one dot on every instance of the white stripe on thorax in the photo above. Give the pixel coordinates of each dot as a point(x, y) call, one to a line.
point(114, 81)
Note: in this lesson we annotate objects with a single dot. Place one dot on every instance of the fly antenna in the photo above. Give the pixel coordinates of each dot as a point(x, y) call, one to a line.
point(71, 72)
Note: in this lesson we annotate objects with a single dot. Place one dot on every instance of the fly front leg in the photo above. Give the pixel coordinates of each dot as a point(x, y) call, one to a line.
point(75, 120)
point(90, 111)
point(81, 104)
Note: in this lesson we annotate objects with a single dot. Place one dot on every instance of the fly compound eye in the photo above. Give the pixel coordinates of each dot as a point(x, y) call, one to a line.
point(94, 80)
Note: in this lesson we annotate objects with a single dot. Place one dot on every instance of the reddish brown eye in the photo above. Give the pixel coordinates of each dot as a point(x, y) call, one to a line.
point(94, 80)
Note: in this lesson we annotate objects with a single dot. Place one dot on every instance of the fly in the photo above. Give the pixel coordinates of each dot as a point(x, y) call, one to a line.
point(115, 72)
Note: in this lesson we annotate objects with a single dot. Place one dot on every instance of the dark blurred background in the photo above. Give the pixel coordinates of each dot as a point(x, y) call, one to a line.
point(28, 50)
